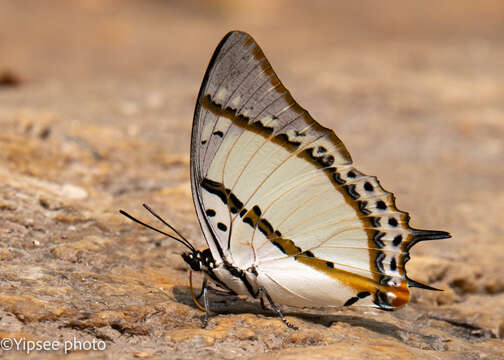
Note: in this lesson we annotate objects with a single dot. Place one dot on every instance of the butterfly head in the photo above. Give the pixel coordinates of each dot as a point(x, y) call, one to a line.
point(199, 260)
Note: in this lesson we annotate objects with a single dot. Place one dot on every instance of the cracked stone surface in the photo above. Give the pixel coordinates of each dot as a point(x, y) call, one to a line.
point(96, 102)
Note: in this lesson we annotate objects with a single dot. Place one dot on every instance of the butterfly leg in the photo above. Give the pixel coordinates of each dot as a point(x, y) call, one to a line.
point(262, 304)
point(206, 303)
point(277, 309)
point(203, 286)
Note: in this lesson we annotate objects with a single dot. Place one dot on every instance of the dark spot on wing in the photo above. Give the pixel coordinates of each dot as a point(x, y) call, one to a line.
point(265, 227)
point(363, 294)
point(393, 264)
point(379, 261)
point(380, 204)
point(375, 221)
point(234, 203)
point(350, 189)
point(215, 188)
point(225, 195)
point(397, 240)
point(381, 300)
point(368, 187)
point(351, 301)
point(377, 238)
point(283, 140)
point(362, 207)
point(319, 160)
point(257, 210)
point(337, 178)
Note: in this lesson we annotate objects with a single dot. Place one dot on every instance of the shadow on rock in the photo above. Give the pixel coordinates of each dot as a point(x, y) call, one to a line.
point(221, 303)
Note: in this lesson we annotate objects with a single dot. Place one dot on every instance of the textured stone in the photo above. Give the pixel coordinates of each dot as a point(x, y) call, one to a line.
point(494, 284)
point(208, 335)
point(245, 334)
point(447, 297)
point(6, 254)
point(375, 349)
point(31, 309)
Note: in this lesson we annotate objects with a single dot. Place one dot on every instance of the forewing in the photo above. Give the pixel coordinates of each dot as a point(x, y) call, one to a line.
point(242, 103)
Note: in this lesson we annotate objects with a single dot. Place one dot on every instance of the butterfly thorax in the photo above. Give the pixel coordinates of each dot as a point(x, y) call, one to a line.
point(222, 273)
point(200, 260)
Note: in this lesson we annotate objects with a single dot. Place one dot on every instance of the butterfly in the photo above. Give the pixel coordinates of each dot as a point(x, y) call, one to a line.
point(286, 216)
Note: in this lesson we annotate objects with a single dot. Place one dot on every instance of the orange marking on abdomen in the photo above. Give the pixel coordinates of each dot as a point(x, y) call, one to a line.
point(401, 292)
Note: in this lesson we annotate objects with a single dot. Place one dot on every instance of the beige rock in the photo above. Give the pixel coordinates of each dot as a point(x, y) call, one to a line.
point(245, 334)
point(30, 309)
point(6, 254)
point(446, 297)
point(208, 335)
point(143, 355)
point(494, 284)
point(375, 349)
point(7, 205)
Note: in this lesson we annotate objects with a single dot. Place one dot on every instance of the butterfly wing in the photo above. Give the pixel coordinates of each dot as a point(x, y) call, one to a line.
point(277, 191)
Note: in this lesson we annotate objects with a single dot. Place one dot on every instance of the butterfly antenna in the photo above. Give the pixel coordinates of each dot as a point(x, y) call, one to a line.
point(184, 241)
point(164, 222)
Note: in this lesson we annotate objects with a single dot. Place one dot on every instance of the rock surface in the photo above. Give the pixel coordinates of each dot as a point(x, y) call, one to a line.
point(96, 103)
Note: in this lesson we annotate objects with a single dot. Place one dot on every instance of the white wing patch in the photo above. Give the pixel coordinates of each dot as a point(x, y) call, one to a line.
point(293, 283)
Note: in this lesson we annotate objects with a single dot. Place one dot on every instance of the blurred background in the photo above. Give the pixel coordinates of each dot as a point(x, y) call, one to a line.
point(75, 38)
